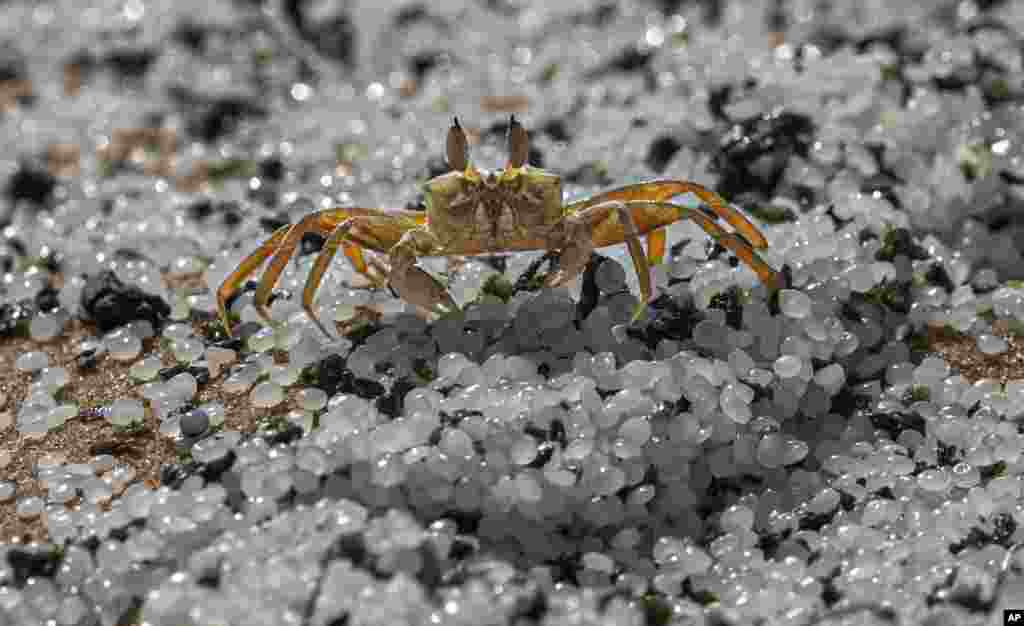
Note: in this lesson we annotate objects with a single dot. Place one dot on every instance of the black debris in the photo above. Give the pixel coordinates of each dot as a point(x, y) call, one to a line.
point(110, 303)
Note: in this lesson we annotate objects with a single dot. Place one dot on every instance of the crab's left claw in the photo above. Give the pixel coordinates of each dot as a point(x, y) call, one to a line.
point(416, 286)
point(413, 284)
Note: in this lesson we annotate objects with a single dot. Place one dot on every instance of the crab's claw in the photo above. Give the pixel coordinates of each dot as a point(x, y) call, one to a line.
point(416, 286)
point(413, 284)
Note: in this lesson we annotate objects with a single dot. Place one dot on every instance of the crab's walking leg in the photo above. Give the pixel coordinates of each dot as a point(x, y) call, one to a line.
point(662, 190)
point(388, 227)
point(323, 261)
point(323, 222)
point(651, 215)
point(245, 269)
point(739, 246)
point(413, 284)
point(574, 235)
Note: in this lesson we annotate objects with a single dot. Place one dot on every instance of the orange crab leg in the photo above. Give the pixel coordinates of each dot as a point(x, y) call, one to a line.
point(348, 229)
point(649, 216)
point(284, 241)
point(385, 234)
point(661, 190)
point(246, 268)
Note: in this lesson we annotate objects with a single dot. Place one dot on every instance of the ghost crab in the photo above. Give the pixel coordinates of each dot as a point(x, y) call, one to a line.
point(469, 212)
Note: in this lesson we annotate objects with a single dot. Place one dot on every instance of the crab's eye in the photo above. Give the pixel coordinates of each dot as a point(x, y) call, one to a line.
point(518, 143)
point(457, 147)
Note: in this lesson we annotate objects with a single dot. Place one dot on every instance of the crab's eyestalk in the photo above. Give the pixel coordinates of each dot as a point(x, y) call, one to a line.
point(457, 148)
point(518, 143)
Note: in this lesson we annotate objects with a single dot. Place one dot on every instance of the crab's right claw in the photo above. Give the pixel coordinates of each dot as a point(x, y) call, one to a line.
point(416, 286)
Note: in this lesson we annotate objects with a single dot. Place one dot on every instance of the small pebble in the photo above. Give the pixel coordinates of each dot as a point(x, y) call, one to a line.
point(124, 346)
point(30, 507)
point(795, 304)
point(266, 395)
point(183, 385)
point(312, 399)
point(146, 369)
point(32, 361)
point(262, 340)
point(177, 332)
point(194, 423)
point(58, 415)
point(53, 378)
point(787, 366)
point(44, 327)
point(188, 350)
point(124, 412)
point(284, 375)
point(8, 489)
point(934, 479)
point(965, 475)
point(992, 344)
point(102, 463)
point(215, 411)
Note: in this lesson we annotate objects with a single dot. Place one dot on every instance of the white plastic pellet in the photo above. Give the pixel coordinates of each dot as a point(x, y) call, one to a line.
point(795, 304)
point(32, 361)
point(266, 395)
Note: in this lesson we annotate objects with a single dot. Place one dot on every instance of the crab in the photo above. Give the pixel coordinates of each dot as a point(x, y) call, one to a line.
point(473, 212)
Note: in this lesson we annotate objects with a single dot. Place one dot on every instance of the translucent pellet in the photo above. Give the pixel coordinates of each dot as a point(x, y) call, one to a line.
point(44, 327)
point(123, 346)
point(965, 475)
point(262, 340)
point(58, 415)
point(607, 480)
point(596, 561)
point(32, 361)
point(831, 377)
point(183, 385)
point(266, 395)
point(312, 398)
point(899, 374)
point(875, 512)
point(285, 375)
point(787, 366)
point(215, 411)
point(451, 364)
point(61, 493)
point(771, 450)
point(102, 463)
point(936, 479)
point(125, 411)
point(29, 507)
point(53, 378)
point(636, 430)
point(736, 517)
point(145, 369)
point(194, 423)
point(523, 450)
point(176, 332)
point(794, 451)
point(992, 344)
point(8, 489)
point(734, 405)
point(243, 378)
point(795, 304)
point(457, 444)
point(188, 350)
